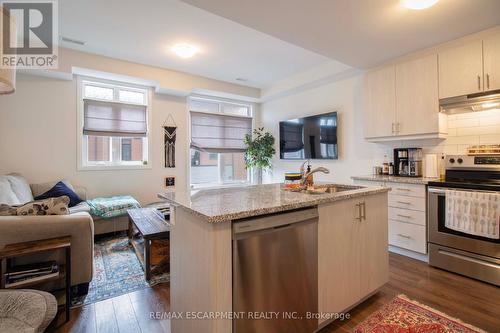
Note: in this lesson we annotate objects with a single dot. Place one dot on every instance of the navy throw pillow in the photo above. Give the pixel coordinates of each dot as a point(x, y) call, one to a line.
point(59, 190)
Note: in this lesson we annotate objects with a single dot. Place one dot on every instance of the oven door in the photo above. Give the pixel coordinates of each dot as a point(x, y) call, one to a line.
point(440, 235)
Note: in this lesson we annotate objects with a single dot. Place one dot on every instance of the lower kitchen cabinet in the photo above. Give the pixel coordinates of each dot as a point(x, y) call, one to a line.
point(352, 250)
point(407, 209)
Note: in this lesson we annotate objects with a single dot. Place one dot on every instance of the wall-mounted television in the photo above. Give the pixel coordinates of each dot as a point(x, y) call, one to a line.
point(313, 137)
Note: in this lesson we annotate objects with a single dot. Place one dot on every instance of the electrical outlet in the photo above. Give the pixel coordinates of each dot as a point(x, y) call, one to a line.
point(169, 181)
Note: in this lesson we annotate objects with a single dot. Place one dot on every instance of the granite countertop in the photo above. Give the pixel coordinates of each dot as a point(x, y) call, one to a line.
point(227, 204)
point(397, 179)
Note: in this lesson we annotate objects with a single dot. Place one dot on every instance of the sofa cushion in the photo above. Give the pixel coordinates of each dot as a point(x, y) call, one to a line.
point(61, 189)
point(81, 207)
point(50, 206)
point(20, 187)
point(7, 195)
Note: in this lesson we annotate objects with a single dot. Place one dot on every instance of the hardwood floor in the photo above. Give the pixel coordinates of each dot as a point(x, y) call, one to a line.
point(472, 301)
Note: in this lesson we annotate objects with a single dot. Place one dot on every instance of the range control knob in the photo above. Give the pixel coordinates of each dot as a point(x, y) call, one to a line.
point(452, 160)
point(460, 160)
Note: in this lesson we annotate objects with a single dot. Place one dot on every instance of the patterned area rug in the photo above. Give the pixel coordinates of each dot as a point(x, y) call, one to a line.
point(117, 271)
point(403, 315)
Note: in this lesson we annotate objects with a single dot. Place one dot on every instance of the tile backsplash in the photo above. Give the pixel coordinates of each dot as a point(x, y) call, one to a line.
point(464, 130)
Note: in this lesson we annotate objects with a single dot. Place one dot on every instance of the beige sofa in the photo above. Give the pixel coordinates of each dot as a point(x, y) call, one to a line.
point(78, 225)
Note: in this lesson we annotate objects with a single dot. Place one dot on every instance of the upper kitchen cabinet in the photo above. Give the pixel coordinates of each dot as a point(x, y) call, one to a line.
point(402, 101)
point(461, 70)
point(417, 101)
point(491, 49)
point(380, 103)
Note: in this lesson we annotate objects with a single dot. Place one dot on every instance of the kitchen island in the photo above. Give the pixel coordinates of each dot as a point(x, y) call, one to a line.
point(346, 238)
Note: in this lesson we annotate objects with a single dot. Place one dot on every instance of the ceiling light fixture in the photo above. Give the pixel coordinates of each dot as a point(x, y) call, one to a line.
point(185, 50)
point(489, 105)
point(418, 4)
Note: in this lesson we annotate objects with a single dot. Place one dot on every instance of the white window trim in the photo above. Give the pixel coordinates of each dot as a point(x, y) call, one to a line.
point(250, 174)
point(81, 144)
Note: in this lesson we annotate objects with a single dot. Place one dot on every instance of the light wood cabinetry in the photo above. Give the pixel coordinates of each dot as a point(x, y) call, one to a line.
point(470, 68)
point(380, 103)
point(356, 263)
point(401, 101)
point(407, 215)
point(461, 70)
point(374, 259)
point(417, 101)
point(491, 49)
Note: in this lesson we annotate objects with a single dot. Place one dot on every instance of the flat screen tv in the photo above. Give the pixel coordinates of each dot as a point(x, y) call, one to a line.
point(313, 137)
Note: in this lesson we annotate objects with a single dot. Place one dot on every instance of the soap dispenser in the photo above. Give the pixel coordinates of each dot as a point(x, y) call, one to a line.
point(310, 177)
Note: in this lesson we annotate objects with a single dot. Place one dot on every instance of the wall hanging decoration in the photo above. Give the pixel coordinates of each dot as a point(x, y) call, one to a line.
point(170, 133)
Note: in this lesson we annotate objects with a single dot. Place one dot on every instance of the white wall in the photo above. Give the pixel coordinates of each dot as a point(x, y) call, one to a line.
point(355, 154)
point(38, 139)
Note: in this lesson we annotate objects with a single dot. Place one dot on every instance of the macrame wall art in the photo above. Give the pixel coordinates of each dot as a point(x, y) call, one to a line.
point(170, 133)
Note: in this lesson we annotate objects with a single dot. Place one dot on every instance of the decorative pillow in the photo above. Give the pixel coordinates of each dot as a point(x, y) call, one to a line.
point(7, 196)
point(6, 210)
point(61, 189)
point(50, 206)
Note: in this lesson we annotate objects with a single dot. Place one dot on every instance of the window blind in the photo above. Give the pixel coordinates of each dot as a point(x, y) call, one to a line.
point(114, 119)
point(217, 133)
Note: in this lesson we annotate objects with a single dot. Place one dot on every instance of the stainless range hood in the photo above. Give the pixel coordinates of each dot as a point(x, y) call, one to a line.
point(471, 103)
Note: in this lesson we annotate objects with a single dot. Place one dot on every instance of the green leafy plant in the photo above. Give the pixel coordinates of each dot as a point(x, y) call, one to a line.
point(260, 149)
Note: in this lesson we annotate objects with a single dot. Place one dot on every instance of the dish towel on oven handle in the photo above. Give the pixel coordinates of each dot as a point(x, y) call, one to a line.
point(474, 213)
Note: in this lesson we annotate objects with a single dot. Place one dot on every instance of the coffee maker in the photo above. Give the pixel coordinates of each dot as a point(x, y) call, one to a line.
point(408, 162)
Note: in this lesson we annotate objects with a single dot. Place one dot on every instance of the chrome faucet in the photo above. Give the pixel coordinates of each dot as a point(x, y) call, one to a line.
point(318, 169)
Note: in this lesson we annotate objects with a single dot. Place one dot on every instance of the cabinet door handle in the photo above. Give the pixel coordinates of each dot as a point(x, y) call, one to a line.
point(359, 216)
point(404, 202)
point(392, 129)
point(487, 81)
point(404, 236)
point(364, 210)
point(479, 82)
point(403, 189)
point(398, 128)
point(404, 216)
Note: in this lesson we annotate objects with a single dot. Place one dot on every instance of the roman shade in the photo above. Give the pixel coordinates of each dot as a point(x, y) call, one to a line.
point(217, 133)
point(103, 118)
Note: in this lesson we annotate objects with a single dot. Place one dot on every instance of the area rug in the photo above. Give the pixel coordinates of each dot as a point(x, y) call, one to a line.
point(117, 271)
point(403, 315)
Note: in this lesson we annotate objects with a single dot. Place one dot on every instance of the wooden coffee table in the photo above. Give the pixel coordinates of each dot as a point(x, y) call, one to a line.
point(147, 229)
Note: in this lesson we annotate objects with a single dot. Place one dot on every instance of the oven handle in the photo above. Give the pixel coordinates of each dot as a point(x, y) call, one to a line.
point(436, 190)
point(442, 190)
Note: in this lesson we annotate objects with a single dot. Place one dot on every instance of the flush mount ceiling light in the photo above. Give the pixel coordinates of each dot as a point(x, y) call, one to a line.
point(418, 4)
point(184, 50)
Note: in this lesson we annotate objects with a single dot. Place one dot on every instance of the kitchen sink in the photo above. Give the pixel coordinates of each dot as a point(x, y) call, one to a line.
point(332, 188)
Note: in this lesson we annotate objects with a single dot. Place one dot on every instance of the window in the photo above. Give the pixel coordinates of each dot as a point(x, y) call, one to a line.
point(113, 122)
point(217, 148)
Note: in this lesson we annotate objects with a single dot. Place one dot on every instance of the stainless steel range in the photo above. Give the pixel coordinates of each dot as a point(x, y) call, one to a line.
point(476, 256)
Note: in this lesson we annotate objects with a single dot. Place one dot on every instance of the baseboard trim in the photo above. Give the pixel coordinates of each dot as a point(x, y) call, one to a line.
point(408, 253)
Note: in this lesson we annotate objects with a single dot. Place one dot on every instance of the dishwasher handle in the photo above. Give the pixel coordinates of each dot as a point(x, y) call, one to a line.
point(274, 221)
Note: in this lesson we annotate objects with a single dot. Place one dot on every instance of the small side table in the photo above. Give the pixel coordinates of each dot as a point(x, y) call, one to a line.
point(15, 250)
point(151, 227)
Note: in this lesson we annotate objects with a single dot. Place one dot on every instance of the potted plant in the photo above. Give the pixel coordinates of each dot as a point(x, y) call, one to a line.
point(259, 152)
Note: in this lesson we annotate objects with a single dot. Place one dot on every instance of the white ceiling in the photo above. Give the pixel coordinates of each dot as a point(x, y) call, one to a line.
point(143, 32)
point(360, 33)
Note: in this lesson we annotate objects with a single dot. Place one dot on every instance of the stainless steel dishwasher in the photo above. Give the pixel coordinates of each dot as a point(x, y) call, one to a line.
point(275, 272)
